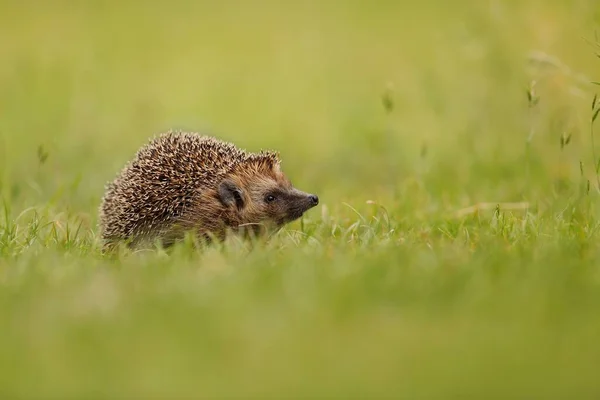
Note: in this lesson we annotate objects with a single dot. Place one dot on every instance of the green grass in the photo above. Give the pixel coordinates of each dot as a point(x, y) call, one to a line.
point(400, 117)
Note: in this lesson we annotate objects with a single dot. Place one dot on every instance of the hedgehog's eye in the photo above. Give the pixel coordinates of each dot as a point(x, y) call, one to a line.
point(270, 198)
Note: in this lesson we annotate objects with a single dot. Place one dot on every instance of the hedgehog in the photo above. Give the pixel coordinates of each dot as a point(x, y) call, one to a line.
point(181, 182)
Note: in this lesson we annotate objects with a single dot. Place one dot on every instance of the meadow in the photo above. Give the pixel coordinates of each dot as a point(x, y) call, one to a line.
point(454, 252)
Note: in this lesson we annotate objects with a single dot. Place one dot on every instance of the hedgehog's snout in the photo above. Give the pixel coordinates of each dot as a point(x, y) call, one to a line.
point(297, 203)
point(308, 200)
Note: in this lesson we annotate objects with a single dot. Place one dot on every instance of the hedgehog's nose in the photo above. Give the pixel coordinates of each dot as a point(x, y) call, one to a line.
point(314, 199)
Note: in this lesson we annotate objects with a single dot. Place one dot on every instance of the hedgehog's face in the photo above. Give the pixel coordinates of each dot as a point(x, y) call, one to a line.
point(265, 198)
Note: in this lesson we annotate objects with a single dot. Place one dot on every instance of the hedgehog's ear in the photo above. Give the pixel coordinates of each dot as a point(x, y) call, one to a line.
point(230, 194)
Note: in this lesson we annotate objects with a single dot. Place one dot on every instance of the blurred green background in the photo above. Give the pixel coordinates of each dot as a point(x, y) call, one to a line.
point(420, 107)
